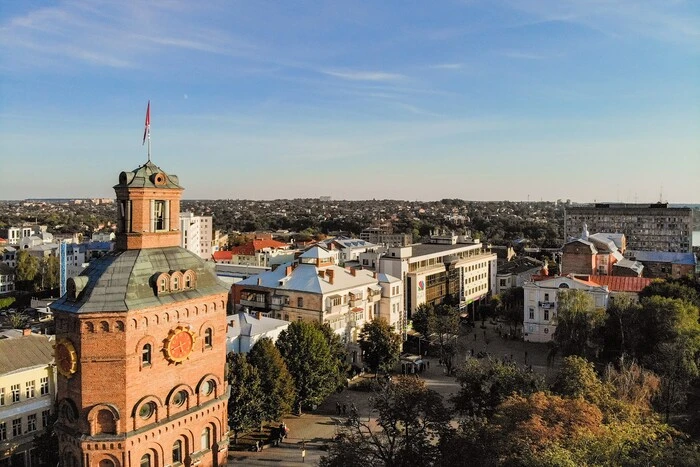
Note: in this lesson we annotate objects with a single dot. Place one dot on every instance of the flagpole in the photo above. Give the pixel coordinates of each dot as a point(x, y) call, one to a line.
point(149, 142)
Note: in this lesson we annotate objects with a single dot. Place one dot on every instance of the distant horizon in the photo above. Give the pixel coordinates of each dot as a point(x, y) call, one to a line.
point(478, 99)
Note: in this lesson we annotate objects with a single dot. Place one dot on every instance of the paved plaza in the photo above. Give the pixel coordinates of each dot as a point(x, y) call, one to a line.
point(316, 429)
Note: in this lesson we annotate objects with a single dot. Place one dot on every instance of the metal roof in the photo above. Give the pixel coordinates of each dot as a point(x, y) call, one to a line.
point(142, 177)
point(662, 257)
point(121, 281)
point(22, 352)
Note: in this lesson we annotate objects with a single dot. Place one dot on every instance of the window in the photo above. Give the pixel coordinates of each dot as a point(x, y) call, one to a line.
point(17, 427)
point(147, 410)
point(3, 431)
point(31, 423)
point(163, 285)
point(146, 355)
point(207, 337)
point(159, 215)
point(546, 315)
point(29, 387)
point(176, 283)
point(300, 302)
point(188, 281)
point(146, 460)
point(45, 418)
point(546, 297)
point(15, 392)
point(179, 398)
point(208, 387)
point(532, 313)
point(177, 451)
point(206, 435)
point(2, 396)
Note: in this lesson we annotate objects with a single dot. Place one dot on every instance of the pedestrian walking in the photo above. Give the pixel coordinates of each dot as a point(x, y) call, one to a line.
point(303, 451)
point(428, 363)
point(338, 408)
point(345, 409)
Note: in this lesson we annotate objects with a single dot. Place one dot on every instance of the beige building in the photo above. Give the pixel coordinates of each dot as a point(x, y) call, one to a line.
point(428, 270)
point(27, 395)
point(314, 288)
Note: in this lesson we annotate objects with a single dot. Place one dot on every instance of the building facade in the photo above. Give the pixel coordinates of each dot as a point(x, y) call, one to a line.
point(541, 304)
point(27, 396)
point(458, 264)
point(141, 343)
point(648, 227)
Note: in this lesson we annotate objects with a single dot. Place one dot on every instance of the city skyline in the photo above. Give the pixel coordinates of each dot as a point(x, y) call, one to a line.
point(474, 100)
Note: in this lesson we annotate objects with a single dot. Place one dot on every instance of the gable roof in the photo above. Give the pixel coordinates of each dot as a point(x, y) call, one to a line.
point(22, 352)
point(316, 252)
point(222, 255)
point(586, 243)
point(245, 324)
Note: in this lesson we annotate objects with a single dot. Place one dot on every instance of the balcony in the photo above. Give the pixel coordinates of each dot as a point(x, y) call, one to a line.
point(336, 308)
point(253, 303)
point(547, 305)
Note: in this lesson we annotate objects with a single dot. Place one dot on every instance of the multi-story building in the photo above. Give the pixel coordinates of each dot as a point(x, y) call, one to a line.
point(314, 288)
point(384, 235)
point(141, 343)
point(261, 252)
point(349, 249)
point(27, 395)
point(648, 227)
point(9, 256)
point(541, 301)
point(245, 329)
point(451, 263)
point(196, 234)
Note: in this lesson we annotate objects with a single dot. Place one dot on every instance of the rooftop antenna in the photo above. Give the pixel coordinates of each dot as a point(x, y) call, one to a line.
point(661, 194)
point(147, 130)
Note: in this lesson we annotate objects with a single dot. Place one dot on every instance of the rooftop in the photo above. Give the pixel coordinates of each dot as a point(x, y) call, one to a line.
point(18, 353)
point(245, 324)
point(621, 283)
point(146, 176)
point(662, 257)
point(426, 249)
point(122, 281)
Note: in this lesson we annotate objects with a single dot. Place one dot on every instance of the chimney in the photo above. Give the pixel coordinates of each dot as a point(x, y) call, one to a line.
point(258, 315)
point(26, 332)
point(353, 271)
point(259, 280)
point(374, 274)
point(322, 274)
point(288, 270)
point(330, 275)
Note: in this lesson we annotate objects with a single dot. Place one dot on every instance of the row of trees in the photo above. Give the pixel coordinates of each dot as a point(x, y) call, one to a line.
point(509, 416)
point(304, 366)
point(661, 332)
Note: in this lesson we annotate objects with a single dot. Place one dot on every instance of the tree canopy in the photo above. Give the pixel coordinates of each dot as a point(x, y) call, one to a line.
point(276, 384)
point(244, 405)
point(381, 346)
point(579, 323)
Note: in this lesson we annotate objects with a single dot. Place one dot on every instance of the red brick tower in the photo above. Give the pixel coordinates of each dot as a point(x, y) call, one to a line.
point(141, 343)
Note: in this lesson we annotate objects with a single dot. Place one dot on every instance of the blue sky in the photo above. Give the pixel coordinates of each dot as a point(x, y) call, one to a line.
point(485, 100)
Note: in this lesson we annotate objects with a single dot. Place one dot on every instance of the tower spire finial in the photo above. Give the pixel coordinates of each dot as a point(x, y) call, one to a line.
point(147, 130)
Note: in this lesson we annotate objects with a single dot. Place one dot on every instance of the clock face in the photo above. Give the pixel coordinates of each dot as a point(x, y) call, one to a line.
point(179, 344)
point(66, 358)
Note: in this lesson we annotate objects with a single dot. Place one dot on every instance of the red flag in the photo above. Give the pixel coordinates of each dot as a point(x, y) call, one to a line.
point(148, 122)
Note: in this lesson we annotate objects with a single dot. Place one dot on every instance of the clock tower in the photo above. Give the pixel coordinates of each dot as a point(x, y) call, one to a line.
point(141, 343)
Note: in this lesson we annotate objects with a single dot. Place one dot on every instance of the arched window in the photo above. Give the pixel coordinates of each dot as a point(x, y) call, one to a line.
point(105, 423)
point(207, 337)
point(104, 325)
point(90, 327)
point(300, 302)
point(120, 325)
point(177, 451)
point(163, 285)
point(188, 280)
point(106, 463)
point(176, 283)
point(146, 355)
point(206, 438)
point(146, 460)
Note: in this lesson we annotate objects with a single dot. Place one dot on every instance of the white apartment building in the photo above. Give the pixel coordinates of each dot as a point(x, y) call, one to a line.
point(541, 301)
point(196, 234)
point(428, 270)
point(27, 395)
point(7, 279)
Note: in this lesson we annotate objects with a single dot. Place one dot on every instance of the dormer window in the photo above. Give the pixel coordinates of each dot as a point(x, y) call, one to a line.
point(176, 283)
point(163, 285)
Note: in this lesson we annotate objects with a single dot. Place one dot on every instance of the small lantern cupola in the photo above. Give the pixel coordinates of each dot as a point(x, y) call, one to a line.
point(148, 208)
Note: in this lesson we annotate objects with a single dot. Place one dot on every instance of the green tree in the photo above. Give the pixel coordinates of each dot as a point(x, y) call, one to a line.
point(338, 352)
point(410, 421)
point(27, 269)
point(381, 346)
point(511, 307)
point(6, 302)
point(245, 401)
point(672, 289)
point(439, 323)
point(579, 323)
point(486, 384)
point(276, 384)
point(48, 275)
point(18, 320)
point(308, 356)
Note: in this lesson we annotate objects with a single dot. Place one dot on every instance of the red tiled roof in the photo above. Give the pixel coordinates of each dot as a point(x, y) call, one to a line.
point(223, 255)
point(621, 283)
point(254, 246)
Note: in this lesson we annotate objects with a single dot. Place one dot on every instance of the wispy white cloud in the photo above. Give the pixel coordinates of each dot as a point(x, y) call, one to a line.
point(517, 54)
point(355, 75)
point(447, 66)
